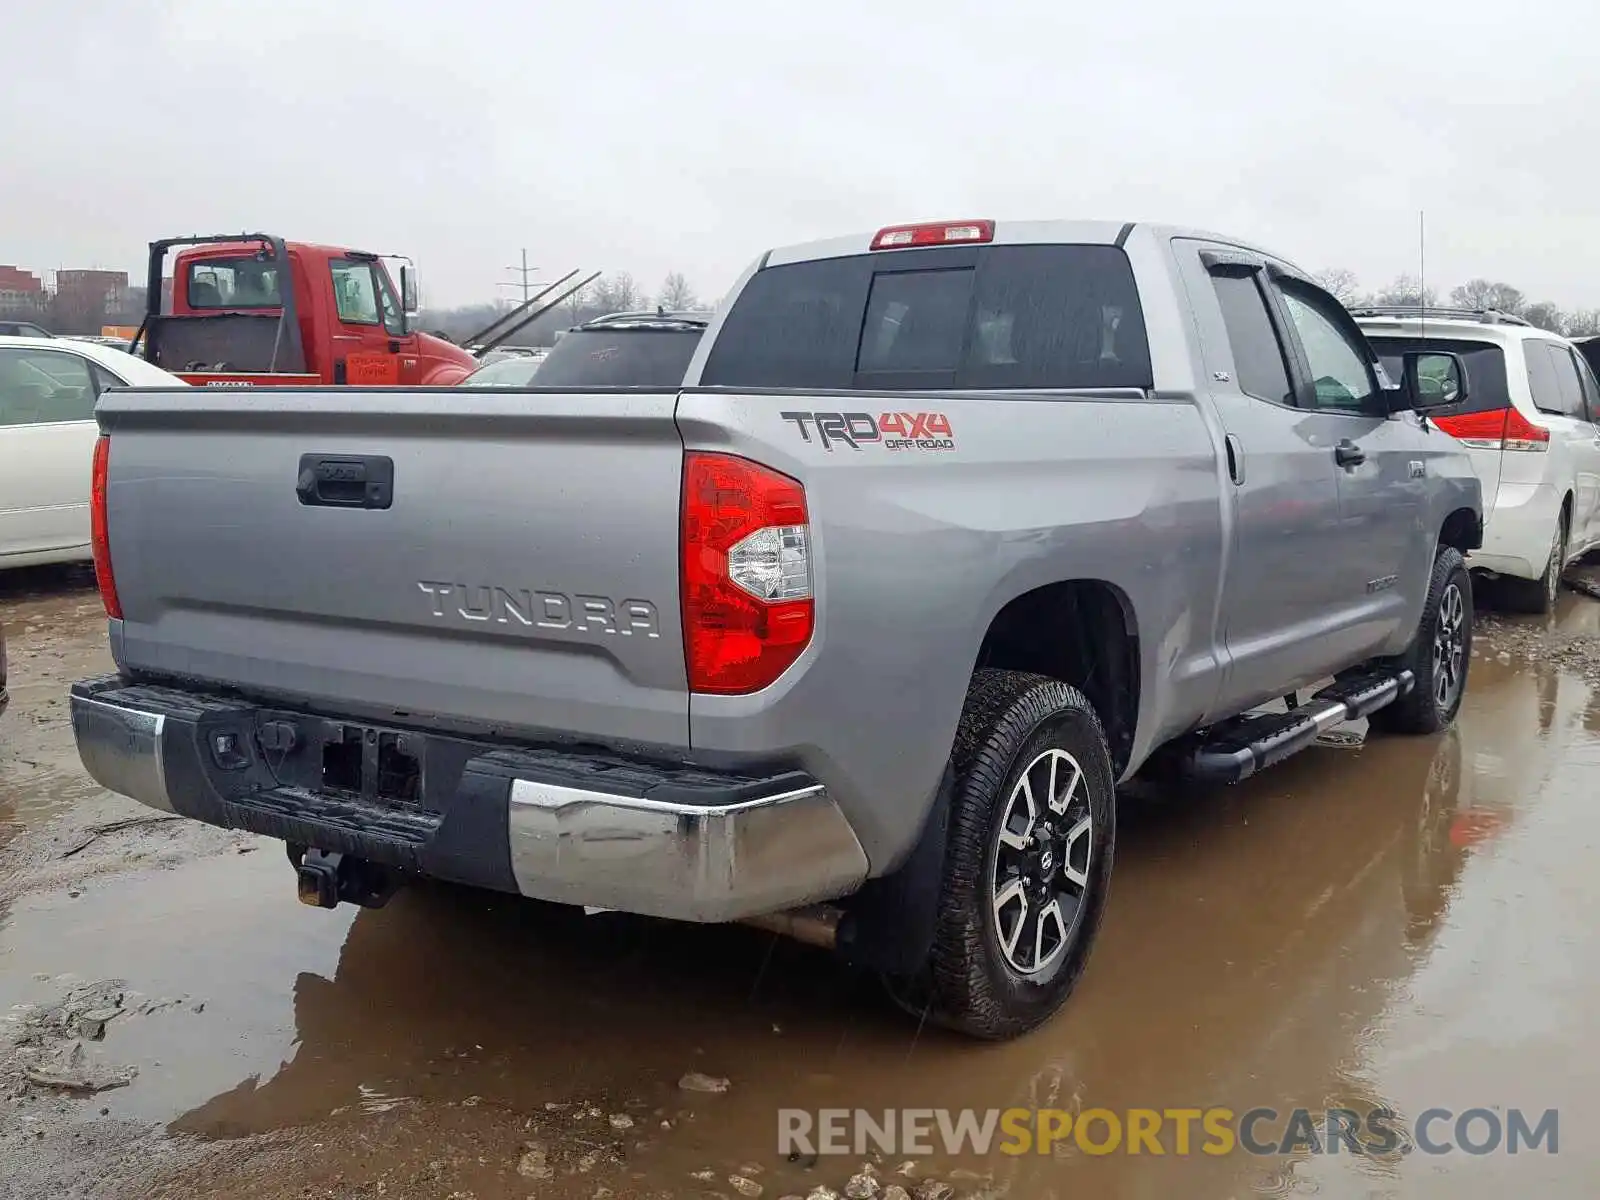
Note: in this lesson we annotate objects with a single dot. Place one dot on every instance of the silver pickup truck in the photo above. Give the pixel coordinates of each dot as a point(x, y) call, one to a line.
point(950, 530)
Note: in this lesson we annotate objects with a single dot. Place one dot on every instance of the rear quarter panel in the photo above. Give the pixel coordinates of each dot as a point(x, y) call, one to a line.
point(916, 550)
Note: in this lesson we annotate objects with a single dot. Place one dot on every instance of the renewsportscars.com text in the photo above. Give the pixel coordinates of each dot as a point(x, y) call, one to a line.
point(1166, 1131)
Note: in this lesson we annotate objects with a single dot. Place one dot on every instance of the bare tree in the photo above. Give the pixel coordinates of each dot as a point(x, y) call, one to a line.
point(1582, 322)
point(1486, 293)
point(1407, 289)
point(618, 293)
point(1341, 284)
point(577, 302)
point(1545, 315)
point(676, 294)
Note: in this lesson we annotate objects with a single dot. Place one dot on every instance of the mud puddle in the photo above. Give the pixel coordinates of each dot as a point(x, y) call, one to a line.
point(1403, 924)
point(55, 631)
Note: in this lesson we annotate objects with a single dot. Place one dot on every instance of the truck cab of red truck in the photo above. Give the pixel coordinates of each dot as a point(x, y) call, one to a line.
point(341, 319)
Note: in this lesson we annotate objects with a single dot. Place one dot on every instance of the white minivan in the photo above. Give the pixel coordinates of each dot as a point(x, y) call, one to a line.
point(48, 387)
point(1529, 425)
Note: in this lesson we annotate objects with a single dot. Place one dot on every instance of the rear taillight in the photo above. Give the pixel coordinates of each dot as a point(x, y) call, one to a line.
point(938, 233)
point(748, 609)
point(1497, 429)
point(1523, 434)
point(99, 538)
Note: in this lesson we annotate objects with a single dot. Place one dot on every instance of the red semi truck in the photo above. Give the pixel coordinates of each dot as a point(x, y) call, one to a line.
point(253, 310)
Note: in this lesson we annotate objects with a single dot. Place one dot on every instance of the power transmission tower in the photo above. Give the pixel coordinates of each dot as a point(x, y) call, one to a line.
point(525, 273)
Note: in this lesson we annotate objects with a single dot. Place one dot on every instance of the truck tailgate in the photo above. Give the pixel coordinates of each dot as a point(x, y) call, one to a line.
point(521, 575)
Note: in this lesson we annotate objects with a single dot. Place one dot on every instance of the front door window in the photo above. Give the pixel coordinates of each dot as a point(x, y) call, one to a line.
point(1342, 378)
point(354, 294)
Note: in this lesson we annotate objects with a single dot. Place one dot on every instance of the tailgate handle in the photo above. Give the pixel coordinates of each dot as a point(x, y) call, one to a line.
point(346, 480)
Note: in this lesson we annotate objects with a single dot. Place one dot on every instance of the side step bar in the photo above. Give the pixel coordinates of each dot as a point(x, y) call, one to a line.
point(1238, 748)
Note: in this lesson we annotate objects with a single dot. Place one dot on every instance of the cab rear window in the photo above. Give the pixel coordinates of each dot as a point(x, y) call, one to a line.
point(993, 317)
point(232, 283)
point(1485, 362)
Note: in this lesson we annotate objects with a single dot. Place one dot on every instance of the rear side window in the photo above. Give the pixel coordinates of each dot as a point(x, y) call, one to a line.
point(1566, 372)
point(1485, 364)
point(619, 358)
point(1257, 356)
point(1543, 380)
point(997, 317)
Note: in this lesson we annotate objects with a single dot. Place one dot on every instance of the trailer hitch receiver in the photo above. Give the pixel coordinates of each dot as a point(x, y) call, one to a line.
point(324, 878)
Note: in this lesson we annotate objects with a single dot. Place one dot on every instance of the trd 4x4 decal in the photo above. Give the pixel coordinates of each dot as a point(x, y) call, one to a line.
point(895, 430)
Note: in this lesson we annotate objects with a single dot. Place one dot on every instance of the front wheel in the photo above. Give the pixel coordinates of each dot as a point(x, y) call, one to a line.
point(1028, 862)
point(1438, 657)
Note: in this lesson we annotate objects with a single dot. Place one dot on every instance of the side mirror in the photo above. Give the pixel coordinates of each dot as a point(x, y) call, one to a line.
point(1432, 379)
point(410, 301)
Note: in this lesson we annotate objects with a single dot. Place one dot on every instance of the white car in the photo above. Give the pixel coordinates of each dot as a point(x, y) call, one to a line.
point(1528, 423)
point(48, 388)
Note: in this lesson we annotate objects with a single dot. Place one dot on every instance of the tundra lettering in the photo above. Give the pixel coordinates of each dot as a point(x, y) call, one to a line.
point(541, 610)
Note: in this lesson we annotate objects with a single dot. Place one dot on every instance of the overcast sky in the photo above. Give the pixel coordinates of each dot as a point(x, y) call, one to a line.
point(691, 136)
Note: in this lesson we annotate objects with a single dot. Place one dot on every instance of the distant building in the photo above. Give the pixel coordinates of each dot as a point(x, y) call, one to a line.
point(20, 291)
point(92, 291)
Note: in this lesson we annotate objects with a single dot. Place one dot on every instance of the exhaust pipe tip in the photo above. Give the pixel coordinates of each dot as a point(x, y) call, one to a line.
point(815, 926)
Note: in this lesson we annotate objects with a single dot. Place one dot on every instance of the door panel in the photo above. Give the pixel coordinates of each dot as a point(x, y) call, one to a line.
point(365, 352)
point(1384, 550)
point(44, 486)
point(1274, 613)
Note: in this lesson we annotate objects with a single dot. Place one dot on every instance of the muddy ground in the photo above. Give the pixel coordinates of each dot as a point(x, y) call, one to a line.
point(1405, 922)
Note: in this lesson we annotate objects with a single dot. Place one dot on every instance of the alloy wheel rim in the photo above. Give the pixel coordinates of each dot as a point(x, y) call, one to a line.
point(1552, 581)
point(1043, 851)
point(1449, 646)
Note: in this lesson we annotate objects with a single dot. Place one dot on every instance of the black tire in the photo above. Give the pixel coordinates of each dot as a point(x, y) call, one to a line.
point(1443, 644)
point(1016, 724)
point(1538, 596)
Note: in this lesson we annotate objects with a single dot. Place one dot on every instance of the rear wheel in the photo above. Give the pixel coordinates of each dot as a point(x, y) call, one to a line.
point(1438, 657)
point(1538, 596)
point(1028, 861)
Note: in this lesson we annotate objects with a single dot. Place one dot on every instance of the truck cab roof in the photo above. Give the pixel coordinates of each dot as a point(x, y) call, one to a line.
point(248, 246)
point(1019, 233)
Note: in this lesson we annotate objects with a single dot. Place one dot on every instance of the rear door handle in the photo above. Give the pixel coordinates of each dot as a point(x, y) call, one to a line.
point(345, 481)
point(1348, 454)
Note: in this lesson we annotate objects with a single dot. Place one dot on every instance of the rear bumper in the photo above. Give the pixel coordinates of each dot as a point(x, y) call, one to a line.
point(558, 824)
point(1519, 530)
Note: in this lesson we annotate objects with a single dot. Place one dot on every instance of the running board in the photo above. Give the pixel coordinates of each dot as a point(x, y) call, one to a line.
point(1238, 748)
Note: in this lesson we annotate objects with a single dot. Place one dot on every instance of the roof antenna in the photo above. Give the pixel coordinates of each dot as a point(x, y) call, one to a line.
point(1422, 286)
point(1422, 267)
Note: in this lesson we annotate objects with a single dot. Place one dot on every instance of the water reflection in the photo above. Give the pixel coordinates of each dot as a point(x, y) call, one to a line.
point(1254, 941)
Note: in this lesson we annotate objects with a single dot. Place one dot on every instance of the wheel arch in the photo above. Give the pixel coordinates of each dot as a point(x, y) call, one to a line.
point(889, 924)
point(1462, 529)
point(1083, 632)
